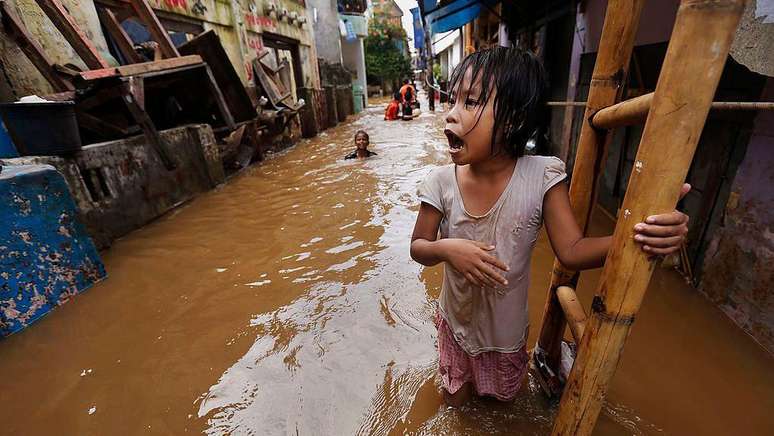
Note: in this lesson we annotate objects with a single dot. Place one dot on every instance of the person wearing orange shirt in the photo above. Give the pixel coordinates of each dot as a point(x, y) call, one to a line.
point(391, 113)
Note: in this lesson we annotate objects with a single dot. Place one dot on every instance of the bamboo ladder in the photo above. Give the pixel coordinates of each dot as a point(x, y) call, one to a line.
point(676, 113)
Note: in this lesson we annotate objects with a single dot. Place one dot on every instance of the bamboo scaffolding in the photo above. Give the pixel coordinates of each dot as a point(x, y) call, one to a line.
point(697, 52)
point(607, 83)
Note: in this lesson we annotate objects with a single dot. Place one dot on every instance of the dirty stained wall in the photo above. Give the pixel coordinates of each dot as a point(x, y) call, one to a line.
point(753, 44)
point(239, 24)
point(739, 264)
point(19, 76)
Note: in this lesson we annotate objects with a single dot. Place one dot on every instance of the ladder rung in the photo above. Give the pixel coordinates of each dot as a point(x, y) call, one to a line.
point(635, 111)
point(573, 311)
point(625, 113)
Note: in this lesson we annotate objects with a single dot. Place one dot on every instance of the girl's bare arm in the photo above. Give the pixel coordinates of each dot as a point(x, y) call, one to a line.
point(469, 258)
point(424, 247)
point(663, 234)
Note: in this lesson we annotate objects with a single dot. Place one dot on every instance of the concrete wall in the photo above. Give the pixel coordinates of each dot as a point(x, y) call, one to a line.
point(121, 185)
point(354, 60)
point(656, 22)
point(739, 263)
point(326, 30)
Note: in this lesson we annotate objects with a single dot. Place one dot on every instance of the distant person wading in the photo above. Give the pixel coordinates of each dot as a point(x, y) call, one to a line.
point(408, 97)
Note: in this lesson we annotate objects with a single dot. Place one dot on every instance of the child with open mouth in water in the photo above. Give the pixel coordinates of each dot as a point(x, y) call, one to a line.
point(361, 143)
point(489, 206)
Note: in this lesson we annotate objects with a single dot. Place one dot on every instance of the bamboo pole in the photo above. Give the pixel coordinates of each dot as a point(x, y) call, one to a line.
point(573, 311)
point(610, 70)
point(635, 111)
point(625, 113)
point(697, 52)
point(716, 105)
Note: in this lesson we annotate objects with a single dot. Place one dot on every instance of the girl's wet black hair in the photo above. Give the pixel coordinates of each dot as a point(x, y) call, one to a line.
point(520, 83)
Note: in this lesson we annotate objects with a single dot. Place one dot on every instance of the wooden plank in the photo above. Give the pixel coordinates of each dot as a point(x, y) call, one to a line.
point(148, 17)
point(137, 90)
point(208, 46)
point(73, 34)
point(225, 113)
point(268, 84)
point(99, 126)
point(142, 68)
point(696, 55)
point(607, 84)
point(119, 36)
point(61, 96)
point(14, 28)
point(144, 121)
point(99, 97)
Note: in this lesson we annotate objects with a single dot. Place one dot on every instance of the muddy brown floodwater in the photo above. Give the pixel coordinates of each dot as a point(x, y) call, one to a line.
point(285, 302)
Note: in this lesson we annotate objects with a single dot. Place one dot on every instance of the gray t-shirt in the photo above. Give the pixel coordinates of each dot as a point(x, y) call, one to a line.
point(492, 319)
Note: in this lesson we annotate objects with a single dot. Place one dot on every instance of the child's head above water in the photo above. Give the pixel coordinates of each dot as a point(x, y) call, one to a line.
point(497, 97)
point(361, 140)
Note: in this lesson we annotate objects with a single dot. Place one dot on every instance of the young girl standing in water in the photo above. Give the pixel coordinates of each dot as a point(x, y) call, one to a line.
point(489, 206)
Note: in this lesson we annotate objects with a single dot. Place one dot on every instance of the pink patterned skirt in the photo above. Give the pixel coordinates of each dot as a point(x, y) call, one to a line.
point(492, 373)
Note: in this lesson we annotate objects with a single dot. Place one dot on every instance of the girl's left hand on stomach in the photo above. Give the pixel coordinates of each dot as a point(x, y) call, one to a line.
point(663, 234)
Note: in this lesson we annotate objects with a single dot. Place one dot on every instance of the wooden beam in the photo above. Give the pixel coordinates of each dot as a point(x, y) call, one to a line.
point(72, 32)
point(145, 122)
point(142, 68)
point(148, 17)
point(607, 83)
point(119, 36)
point(225, 112)
point(573, 311)
point(99, 126)
point(694, 61)
point(14, 28)
point(61, 96)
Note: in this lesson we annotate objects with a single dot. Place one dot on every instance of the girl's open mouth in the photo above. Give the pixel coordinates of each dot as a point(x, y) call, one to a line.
point(455, 142)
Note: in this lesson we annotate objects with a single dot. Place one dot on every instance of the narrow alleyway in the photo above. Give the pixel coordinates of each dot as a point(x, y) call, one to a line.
point(286, 302)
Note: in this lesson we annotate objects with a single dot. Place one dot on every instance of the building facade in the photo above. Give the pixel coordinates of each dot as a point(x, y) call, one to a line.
point(246, 29)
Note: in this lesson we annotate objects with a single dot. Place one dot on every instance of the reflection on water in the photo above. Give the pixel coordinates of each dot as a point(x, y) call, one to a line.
point(285, 302)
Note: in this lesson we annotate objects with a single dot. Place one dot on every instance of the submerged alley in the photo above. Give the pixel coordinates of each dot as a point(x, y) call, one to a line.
point(197, 237)
point(285, 302)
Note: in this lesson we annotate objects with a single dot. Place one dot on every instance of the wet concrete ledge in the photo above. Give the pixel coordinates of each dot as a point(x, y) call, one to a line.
point(119, 186)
